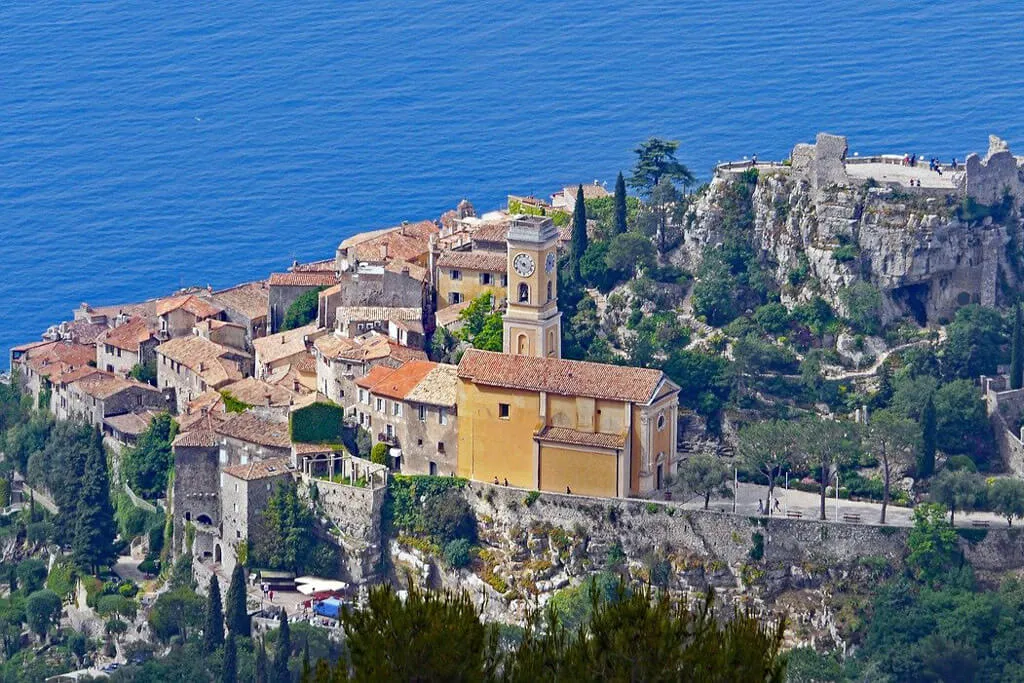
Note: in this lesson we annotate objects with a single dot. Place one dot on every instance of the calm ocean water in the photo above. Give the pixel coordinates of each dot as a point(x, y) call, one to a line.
point(144, 146)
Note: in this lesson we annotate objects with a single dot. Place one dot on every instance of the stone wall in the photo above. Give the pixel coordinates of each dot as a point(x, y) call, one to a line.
point(987, 179)
point(196, 489)
point(350, 516)
point(1005, 408)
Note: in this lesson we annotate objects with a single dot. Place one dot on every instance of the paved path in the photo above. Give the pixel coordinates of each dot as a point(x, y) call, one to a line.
point(895, 173)
point(809, 505)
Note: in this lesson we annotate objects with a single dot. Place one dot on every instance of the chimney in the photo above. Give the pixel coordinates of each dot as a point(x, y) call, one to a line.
point(384, 251)
point(295, 385)
point(202, 366)
point(282, 340)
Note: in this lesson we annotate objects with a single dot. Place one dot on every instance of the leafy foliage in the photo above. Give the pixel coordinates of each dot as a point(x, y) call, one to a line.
point(303, 310)
point(319, 422)
point(705, 475)
point(147, 465)
point(176, 613)
point(482, 324)
point(288, 542)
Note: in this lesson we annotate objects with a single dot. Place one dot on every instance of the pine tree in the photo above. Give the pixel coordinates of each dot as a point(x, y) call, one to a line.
point(1017, 352)
point(237, 613)
point(261, 664)
point(926, 466)
point(282, 651)
point(579, 233)
point(620, 206)
point(229, 669)
point(213, 631)
point(12, 578)
point(93, 543)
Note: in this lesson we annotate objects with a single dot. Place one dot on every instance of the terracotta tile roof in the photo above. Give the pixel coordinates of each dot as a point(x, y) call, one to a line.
point(474, 260)
point(399, 383)
point(282, 345)
point(402, 243)
point(131, 423)
point(558, 376)
point(565, 233)
point(58, 357)
point(497, 232)
point(374, 376)
point(103, 385)
point(253, 428)
point(449, 315)
point(577, 438)
point(413, 270)
point(262, 469)
point(85, 332)
point(437, 388)
point(189, 303)
point(31, 345)
point(205, 358)
point(129, 335)
point(325, 265)
point(289, 376)
point(305, 363)
point(314, 278)
point(201, 433)
point(206, 410)
point(259, 393)
point(375, 313)
point(251, 300)
point(71, 375)
point(404, 354)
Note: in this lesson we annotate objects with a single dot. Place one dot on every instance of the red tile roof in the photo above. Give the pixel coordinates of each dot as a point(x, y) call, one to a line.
point(253, 428)
point(59, 357)
point(375, 375)
point(129, 335)
point(261, 469)
point(400, 382)
point(251, 299)
point(314, 278)
point(575, 437)
point(191, 304)
point(103, 385)
point(558, 376)
point(403, 243)
point(474, 260)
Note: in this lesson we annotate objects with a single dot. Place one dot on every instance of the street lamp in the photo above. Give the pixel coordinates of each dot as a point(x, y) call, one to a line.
point(735, 487)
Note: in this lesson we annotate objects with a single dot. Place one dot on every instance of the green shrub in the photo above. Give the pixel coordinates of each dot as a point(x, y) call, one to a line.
point(61, 579)
point(128, 589)
point(449, 517)
point(320, 422)
point(379, 454)
point(961, 462)
point(531, 498)
point(457, 553)
point(150, 566)
point(757, 549)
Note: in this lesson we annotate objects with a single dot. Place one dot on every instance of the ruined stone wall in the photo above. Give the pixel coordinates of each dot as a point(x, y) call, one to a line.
point(196, 489)
point(350, 517)
point(988, 178)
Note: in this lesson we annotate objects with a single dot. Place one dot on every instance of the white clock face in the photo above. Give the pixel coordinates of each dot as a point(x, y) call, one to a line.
point(524, 265)
point(549, 262)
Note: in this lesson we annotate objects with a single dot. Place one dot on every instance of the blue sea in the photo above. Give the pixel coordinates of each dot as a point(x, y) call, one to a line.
point(146, 146)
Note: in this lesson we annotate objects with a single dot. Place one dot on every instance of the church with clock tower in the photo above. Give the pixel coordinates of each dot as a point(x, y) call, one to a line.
point(532, 320)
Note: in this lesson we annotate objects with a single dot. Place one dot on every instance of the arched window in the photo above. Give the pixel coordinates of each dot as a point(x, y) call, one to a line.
point(551, 342)
point(550, 296)
point(523, 346)
point(524, 293)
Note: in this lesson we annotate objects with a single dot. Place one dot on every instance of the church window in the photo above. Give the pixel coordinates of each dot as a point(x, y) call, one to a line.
point(524, 293)
point(504, 410)
point(550, 296)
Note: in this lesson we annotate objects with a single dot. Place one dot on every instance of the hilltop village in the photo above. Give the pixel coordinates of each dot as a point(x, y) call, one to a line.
point(724, 390)
point(246, 386)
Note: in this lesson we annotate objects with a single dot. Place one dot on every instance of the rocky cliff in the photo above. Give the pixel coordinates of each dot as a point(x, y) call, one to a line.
point(927, 249)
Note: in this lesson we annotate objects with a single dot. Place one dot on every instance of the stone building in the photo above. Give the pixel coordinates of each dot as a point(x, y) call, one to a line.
point(590, 428)
point(36, 363)
point(99, 395)
point(178, 315)
point(283, 348)
point(247, 305)
point(390, 285)
point(407, 243)
point(231, 335)
point(340, 361)
point(355, 321)
point(566, 199)
point(245, 491)
point(465, 275)
point(412, 410)
point(264, 397)
point(132, 342)
point(192, 365)
point(285, 288)
point(196, 497)
point(251, 436)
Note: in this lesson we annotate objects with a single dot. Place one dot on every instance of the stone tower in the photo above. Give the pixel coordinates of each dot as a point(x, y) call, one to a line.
point(533, 323)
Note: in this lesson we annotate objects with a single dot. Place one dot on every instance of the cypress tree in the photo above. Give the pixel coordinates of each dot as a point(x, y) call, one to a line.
point(12, 578)
point(1017, 352)
point(237, 613)
point(282, 651)
point(93, 542)
point(926, 466)
point(261, 664)
point(306, 669)
point(213, 631)
point(579, 234)
point(229, 669)
point(620, 206)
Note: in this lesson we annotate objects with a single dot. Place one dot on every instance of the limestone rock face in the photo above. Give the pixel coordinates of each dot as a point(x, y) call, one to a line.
point(924, 260)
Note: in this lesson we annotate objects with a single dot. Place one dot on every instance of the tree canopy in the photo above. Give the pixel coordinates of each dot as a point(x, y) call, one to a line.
point(656, 159)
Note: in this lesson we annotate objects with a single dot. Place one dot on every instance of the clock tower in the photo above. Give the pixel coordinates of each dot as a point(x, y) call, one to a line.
point(533, 323)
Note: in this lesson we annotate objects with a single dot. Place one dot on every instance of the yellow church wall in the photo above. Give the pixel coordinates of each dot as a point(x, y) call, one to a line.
point(561, 411)
point(490, 446)
point(610, 417)
point(584, 472)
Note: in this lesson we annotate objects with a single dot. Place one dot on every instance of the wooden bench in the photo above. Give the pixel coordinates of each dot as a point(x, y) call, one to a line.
point(851, 518)
point(980, 523)
point(795, 514)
